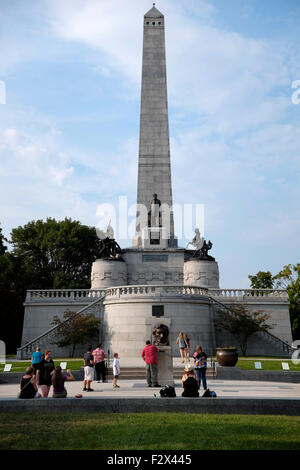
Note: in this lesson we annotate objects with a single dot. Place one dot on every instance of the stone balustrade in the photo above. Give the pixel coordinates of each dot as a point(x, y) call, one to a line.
point(89, 295)
point(58, 295)
point(250, 294)
point(155, 291)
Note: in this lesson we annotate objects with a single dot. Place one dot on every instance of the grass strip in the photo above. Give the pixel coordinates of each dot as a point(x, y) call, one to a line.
point(172, 431)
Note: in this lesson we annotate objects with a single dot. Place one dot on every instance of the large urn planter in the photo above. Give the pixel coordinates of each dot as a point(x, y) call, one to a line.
point(227, 357)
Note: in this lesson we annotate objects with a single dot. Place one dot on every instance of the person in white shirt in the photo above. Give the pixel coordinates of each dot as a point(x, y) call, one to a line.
point(116, 370)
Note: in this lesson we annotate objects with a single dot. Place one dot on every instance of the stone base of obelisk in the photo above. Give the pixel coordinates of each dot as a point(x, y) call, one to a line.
point(165, 366)
point(155, 238)
point(164, 359)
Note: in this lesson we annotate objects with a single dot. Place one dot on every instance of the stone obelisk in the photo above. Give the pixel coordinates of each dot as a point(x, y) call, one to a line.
point(154, 168)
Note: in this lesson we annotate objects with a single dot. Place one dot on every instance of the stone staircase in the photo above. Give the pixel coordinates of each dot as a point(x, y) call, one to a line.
point(27, 349)
point(279, 345)
point(139, 373)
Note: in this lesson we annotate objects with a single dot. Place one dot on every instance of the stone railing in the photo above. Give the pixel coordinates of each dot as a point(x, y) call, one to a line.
point(58, 295)
point(89, 295)
point(250, 294)
point(154, 291)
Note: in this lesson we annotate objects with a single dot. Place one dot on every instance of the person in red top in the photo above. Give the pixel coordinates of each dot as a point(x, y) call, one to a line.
point(99, 356)
point(149, 354)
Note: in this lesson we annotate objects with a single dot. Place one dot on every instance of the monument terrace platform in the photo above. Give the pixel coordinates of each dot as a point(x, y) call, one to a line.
point(125, 310)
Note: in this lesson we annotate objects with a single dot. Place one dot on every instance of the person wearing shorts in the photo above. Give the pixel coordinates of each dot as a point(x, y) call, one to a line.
point(44, 373)
point(36, 359)
point(88, 370)
point(181, 343)
point(116, 370)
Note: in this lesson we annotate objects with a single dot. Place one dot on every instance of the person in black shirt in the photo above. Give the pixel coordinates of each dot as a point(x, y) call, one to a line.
point(88, 370)
point(28, 387)
point(189, 383)
point(44, 373)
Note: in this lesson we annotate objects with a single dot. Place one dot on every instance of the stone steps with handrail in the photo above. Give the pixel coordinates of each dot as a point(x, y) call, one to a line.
point(279, 343)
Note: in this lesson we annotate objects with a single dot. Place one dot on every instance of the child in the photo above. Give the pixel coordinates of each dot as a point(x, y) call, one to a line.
point(116, 370)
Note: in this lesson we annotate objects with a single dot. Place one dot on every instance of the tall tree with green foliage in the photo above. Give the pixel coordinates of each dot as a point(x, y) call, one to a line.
point(3, 248)
point(262, 280)
point(75, 328)
point(12, 291)
point(289, 278)
point(45, 255)
point(242, 323)
point(56, 254)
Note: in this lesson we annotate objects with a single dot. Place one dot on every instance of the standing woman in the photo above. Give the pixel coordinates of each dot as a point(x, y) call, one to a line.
point(187, 342)
point(44, 374)
point(181, 343)
point(200, 361)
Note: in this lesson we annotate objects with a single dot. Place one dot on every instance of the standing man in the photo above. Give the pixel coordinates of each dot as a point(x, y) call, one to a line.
point(99, 356)
point(88, 370)
point(149, 354)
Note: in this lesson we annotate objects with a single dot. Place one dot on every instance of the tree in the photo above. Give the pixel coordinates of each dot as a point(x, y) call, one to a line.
point(45, 255)
point(3, 248)
point(75, 328)
point(262, 280)
point(56, 254)
point(289, 278)
point(242, 323)
point(11, 298)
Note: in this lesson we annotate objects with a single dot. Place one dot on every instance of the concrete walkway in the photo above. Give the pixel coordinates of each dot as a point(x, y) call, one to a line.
point(139, 389)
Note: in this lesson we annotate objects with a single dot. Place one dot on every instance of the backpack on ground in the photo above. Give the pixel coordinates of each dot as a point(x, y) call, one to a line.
point(168, 392)
point(209, 394)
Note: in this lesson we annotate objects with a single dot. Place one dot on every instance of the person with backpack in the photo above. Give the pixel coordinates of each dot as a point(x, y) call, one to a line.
point(200, 363)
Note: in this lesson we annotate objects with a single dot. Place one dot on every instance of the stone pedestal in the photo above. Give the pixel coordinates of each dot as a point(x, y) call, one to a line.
point(165, 366)
point(164, 359)
point(201, 273)
point(108, 272)
point(155, 238)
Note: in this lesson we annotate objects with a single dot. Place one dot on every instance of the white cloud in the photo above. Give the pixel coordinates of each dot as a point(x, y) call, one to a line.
point(234, 146)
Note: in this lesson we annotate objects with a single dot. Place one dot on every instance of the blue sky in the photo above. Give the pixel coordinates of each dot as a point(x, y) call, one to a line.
point(69, 128)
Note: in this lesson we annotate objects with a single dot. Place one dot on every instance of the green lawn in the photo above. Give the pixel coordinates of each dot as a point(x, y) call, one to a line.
point(73, 364)
point(247, 364)
point(173, 431)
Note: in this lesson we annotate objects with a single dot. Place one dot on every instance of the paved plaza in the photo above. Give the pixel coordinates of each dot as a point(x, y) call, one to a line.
point(139, 389)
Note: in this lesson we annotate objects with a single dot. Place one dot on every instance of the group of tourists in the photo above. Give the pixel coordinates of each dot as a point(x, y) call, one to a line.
point(195, 374)
point(94, 363)
point(43, 373)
